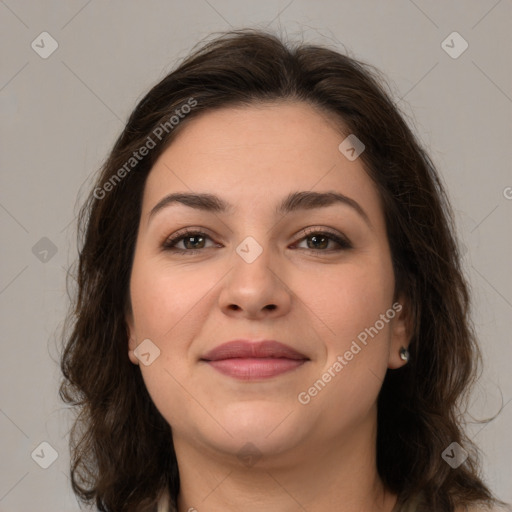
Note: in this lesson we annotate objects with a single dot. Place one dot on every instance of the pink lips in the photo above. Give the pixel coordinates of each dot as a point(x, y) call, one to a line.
point(249, 360)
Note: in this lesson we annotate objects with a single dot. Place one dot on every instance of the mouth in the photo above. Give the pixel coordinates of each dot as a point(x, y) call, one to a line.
point(250, 360)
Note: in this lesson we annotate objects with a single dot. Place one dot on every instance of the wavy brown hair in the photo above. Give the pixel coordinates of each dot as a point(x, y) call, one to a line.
point(121, 446)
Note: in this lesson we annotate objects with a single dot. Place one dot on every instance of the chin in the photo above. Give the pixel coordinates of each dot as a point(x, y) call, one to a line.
point(268, 426)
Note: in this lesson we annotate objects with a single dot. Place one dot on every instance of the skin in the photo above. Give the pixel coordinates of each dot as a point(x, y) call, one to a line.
point(315, 457)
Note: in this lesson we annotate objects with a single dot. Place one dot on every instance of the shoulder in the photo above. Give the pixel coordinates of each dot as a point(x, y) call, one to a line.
point(483, 508)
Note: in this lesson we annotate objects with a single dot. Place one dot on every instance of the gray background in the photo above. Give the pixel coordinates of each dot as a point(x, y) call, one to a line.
point(60, 116)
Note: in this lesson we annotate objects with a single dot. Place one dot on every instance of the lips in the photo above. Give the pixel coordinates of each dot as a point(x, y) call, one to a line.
point(250, 360)
point(244, 349)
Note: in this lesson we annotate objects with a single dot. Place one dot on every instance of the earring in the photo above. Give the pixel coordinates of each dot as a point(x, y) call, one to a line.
point(404, 354)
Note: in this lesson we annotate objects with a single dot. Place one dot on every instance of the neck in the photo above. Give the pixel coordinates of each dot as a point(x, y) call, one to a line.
point(333, 474)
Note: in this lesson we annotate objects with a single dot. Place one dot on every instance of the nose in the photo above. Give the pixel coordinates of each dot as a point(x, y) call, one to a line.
point(257, 289)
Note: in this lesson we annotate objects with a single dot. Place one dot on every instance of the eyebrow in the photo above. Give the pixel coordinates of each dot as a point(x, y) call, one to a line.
point(295, 201)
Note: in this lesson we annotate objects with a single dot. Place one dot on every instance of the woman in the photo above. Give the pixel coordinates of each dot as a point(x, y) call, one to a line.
point(270, 311)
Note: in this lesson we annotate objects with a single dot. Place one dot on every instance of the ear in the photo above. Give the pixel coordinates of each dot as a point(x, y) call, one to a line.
point(401, 332)
point(132, 338)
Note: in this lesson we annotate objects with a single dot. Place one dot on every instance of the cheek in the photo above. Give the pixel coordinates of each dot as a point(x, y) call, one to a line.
point(167, 309)
point(350, 310)
point(351, 298)
point(162, 297)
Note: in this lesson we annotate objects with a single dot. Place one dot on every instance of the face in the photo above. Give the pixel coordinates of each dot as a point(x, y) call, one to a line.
point(313, 274)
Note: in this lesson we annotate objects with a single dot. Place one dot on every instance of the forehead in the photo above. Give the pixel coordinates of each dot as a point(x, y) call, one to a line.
point(254, 155)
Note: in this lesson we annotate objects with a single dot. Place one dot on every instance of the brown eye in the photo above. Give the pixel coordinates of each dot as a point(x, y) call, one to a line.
point(319, 241)
point(193, 241)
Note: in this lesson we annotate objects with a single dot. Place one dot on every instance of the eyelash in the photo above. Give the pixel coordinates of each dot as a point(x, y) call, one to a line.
point(170, 243)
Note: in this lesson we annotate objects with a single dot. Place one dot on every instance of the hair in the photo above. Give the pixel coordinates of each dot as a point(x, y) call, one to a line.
point(122, 454)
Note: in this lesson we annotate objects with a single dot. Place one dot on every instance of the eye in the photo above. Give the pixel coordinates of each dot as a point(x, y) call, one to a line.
point(193, 242)
point(320, 239)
